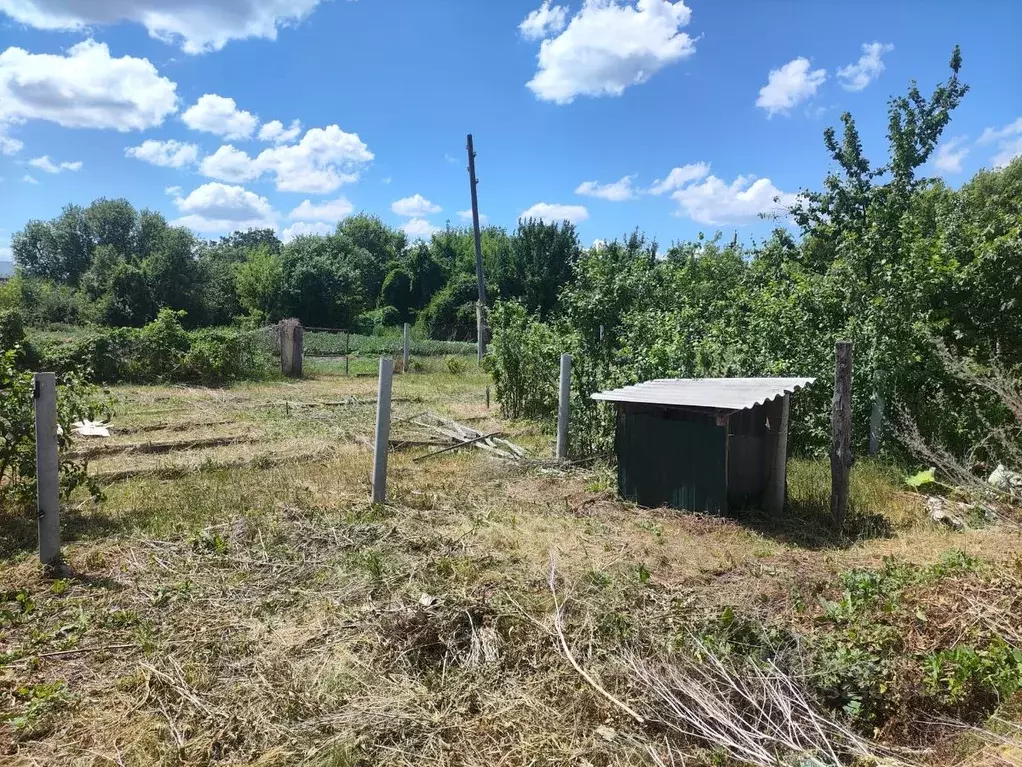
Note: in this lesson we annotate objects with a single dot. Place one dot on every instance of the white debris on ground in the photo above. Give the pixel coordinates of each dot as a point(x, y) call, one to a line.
point(938, 510)
point(87, 428)
point(1005, 479)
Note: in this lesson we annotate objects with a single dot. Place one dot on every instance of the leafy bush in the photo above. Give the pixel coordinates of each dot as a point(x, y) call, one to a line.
point(455, 365)
point(524, 360)
point(76, 401)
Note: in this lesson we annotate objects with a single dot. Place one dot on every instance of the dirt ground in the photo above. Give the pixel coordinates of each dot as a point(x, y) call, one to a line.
point(236, 600)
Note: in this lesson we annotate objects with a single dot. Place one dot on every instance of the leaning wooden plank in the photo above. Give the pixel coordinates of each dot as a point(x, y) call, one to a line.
point(455, 447)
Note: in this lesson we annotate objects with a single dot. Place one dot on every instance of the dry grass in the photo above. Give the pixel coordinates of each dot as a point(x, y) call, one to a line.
point(269, 615)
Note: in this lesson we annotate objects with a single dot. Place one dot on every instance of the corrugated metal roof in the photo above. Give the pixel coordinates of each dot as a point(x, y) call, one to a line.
point(716, 393)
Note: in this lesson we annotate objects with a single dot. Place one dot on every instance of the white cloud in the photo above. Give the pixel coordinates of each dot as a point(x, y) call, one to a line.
point(386, 180)
point(415, 206)
point(544, 21)
point(230, 164)
point(322, 161)
point(1009, 142)
point(173, 191)
point(5, 254)
point(789, 86)
point(331, 211)
point(84, 89)
point(217, 207)
point(711, 201)
point(29, 179)
point(196, 25)
point(680, 176)
point(220, 115)
point(274, 131)
point(950, 155)
point(8, 145)
point(166, 154)
point(418, 229)
point(615, 192)
point(610, 45)
point(47, 165)
point(553, 213)
point(466, 215)
point(305, 229)
point(857, 76)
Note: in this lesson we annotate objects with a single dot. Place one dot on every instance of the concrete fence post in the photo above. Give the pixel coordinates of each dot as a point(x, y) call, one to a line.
point(405, 349)
point(47, 467)
point(291, 333)
point(563, 403)
point(382, 430)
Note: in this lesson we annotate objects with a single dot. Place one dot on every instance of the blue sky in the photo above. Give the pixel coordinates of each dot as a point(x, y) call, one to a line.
point(615, 93)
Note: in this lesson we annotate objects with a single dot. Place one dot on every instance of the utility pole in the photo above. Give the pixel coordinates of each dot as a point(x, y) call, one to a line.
point(481, 304)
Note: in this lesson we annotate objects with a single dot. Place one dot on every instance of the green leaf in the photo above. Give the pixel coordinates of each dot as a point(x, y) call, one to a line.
point(922, 478)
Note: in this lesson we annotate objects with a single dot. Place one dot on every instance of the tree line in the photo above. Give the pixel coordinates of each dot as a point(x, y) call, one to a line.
point(110, 264)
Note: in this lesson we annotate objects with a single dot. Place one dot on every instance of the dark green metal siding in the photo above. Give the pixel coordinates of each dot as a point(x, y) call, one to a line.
point(680, 463)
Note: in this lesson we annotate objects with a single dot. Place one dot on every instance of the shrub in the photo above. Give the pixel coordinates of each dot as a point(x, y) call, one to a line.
point(455, 365)
point(524, 362)
point(76, 401)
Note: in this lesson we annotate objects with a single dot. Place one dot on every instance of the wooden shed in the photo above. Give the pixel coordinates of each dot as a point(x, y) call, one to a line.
point(704, 444)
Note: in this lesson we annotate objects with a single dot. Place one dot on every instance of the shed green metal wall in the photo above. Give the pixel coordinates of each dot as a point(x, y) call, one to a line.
point(680, 463)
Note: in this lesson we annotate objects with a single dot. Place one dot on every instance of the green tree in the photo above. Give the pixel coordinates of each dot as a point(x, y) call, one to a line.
point(259, 280)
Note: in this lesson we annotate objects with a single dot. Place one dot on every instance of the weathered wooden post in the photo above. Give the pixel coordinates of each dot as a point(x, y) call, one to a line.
point(404, 350)
point(347, 338)
point(382, 430)
point(563, 403)
point(47, 467)
point(291, 333)
point(876, 423)
point(841, 423)
point(777, 484)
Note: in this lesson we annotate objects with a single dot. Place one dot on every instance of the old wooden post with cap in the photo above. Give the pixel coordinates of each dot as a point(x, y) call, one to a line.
point(291, 333)
point(563, 407)
point(382, 430)
point(47, 467)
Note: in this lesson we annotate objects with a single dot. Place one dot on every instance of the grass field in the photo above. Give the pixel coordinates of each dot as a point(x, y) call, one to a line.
point(236, 600)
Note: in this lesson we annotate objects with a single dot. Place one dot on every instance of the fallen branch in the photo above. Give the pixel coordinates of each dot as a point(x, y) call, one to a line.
point(558, 625)
point(472, 441)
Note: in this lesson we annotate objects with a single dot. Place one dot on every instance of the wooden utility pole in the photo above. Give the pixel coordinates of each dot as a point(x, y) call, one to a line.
point(47, 471)
point(481, 305)
point(841, 423)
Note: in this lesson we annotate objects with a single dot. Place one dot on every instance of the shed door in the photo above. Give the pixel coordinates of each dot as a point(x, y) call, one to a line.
point(682, 464)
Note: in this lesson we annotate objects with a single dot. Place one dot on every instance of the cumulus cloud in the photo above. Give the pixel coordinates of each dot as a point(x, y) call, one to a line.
point(173, 191)
point(84, 88)
point(331, 211)
point(712, 201)
point(615, 192)
point(322, 161)
point(678, 177)
point(166, 154)
point(220, 115)
point(8, 145)
point(47, 165)
point(29, 179)
point(950, 154)
point(1008, 140)
point(274, 131)
point(610, 45)
point(553, 213)
point(305, 229)
point(418, 229)
point(415, 206)
point(466, 216)
point(215, 207)
point(857, 76)
point(197, 26)
point(789, 86)
point(544, 21)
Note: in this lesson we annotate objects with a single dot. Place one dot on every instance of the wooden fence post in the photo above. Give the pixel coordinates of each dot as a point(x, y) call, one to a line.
point(382, 430)
point(405, 350)
point(47, 467)
point(876, 423)
point(347, 339)
point(562, 407)
point(777, 482)
point(291, 333)
point(841, 423)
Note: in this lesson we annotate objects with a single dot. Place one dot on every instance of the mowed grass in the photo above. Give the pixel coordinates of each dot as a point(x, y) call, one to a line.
point(256, 609)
